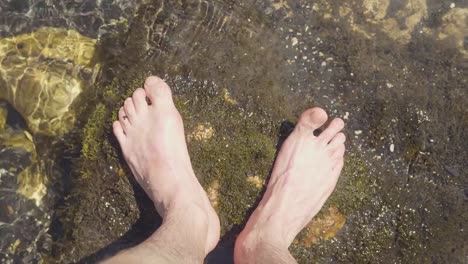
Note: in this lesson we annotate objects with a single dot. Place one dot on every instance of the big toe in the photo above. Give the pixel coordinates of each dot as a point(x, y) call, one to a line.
point(312, 118)
point(157, 90)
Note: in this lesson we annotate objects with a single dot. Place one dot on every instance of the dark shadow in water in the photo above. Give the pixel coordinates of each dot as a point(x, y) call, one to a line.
point(149, 221)
point(14, 119)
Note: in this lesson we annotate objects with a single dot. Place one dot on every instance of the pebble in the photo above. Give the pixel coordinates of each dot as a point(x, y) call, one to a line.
point(294, 41)
point(452, 5)
point(358, 132)
point(392, 147)
point(389, 85)
point(345, 117)
point(324, 64)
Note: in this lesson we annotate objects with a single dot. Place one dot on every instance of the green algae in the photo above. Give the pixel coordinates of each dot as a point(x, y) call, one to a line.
point(355, 185)
point(377, 197)
point(92, 133)
point(237, 151)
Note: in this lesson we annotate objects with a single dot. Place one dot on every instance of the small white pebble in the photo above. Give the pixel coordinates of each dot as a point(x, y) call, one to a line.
point(294, 41)
point(358, 132)
point(324, 64)
point(345, 117)
point(452, 5)
point(389, 85)
point(392, 147)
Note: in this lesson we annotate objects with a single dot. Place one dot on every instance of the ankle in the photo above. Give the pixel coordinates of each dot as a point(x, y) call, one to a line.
point(178, 199)
point(244, 248)
point(182, 205)
point(251, 242)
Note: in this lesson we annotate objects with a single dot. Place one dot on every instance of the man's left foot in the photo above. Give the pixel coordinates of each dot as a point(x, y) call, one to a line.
point(304, 175)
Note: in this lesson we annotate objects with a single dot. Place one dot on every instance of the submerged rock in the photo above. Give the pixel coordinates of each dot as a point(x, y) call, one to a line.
point(23, 220)
point(42, 73)
point(3, 116)
point(370, 17)
point(241, 76)
point(323, 227)
point(453, 31)
point(237, 77)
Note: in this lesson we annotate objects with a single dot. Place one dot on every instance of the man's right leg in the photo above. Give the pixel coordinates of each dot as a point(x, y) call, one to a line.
point(305, 174)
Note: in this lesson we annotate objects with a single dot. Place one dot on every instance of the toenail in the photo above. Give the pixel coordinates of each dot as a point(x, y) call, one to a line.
point(152, 80)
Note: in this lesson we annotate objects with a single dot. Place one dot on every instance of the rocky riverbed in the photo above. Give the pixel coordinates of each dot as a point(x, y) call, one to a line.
point(241, 72)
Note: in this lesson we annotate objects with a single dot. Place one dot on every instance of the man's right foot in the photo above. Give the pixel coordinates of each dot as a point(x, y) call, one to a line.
point(304, 175)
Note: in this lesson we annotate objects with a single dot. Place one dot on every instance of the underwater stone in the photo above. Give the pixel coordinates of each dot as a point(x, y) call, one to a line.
point(376, 228)
point(202, 132)
point(3, 117)
point(325, 227)
point(454, 29)
point(30, 179)
point(23, 220)
point(378, 18)
point(42, 73)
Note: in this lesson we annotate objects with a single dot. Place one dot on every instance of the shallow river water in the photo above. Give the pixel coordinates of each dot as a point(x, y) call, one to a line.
point(241, 72)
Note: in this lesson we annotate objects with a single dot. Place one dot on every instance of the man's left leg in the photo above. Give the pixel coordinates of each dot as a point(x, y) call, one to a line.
point(153, 143)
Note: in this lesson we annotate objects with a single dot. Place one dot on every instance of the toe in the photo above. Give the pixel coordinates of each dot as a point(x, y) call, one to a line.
point(129, 109)
point(335, 126)
point(139, 100)
point(312, 118)
point(336, 141)
point(156, 89)
point(338, 153)
point(118, 132)
point(123, 118)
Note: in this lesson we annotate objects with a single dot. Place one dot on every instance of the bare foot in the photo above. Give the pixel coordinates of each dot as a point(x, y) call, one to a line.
point(153, 143)
point(304, 175)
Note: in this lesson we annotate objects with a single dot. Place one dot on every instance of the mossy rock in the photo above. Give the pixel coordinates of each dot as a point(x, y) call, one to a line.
point(232, 154)
point(398, 203)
